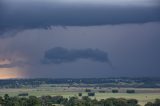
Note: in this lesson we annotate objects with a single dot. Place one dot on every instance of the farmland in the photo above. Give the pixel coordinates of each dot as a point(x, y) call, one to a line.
point(143, 95)
point(142, 89)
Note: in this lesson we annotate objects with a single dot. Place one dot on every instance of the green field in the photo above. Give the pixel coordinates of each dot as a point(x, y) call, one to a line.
point(143, 95)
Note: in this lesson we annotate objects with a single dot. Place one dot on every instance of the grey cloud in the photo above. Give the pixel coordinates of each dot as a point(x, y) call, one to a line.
point(10, 63)
point(16, 15)
point(15, 64)
point(133, 50)
point(60, 55)
point(7, 65)
point(3, 60)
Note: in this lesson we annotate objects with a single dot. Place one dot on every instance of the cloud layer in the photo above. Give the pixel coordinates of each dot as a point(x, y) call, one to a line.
point(132, 48)
point(19, 15)
point(60, 55)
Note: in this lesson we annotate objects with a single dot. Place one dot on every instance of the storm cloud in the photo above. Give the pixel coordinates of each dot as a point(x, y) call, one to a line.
point(133, 50)
point(79, 38)
point(20, 15)
point(60, 55)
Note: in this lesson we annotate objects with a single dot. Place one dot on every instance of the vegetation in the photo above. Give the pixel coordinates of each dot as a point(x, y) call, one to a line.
point(130, 91)
point(79, 94)
point(72, 101)
point(114, 91)
point(23, 94)
point(59, 100)
point(88, 90)
point(83, 82)
point(143, 95)
point(75, 92)
point(156, 103)
point(91, 94)
point(102, 91)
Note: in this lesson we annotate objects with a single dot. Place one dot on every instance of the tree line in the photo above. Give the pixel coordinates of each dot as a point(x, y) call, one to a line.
point(6, 100)
point(97, 82)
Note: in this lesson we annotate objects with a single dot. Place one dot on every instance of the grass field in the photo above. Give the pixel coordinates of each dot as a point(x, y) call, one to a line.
point(143, 95)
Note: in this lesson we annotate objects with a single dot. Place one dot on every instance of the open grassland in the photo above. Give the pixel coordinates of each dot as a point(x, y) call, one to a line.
point(143, 95)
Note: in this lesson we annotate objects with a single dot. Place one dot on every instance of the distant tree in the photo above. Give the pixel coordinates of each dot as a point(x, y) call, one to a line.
point(23, 94)
point(88, 90)
point(101, 91)
point(114, 91)
point(91, 93)
point(130, 91)
point(79, 94)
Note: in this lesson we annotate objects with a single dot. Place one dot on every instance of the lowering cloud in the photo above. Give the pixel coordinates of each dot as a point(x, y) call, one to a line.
point(60, 55)
point(23, 14)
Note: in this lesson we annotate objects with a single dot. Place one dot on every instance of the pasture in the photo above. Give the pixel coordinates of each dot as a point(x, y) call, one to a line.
point(143, 95)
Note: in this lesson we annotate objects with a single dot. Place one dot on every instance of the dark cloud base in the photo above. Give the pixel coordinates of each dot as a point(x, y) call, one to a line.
point(28, 15)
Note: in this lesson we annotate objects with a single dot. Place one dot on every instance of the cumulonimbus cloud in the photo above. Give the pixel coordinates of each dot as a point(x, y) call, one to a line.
point(19, 15)
point(60, 55)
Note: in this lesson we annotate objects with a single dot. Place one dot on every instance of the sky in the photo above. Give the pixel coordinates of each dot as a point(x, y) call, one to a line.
point(79, 38)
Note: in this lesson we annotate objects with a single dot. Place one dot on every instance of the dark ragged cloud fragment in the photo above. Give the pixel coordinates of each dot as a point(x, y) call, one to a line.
point(19, 15)
point(60, 55)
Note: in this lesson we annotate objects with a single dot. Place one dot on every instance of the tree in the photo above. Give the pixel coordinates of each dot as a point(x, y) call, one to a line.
point(130, 91)
point(79, 94)
point(149, 104)
point(157, 102)
point(132, 102)
point(33, 101)
point(7, 101)
point(91, 94)
point(88, 90)
point(1, 101)
point(114, 91)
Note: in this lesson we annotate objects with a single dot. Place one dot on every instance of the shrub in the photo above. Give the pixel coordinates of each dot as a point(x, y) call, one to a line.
point(130, 91)
point(23, 94)
point(88, 90)
point(91, 94)
point(114, 91)
point(79, 94)
point(102, 91)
